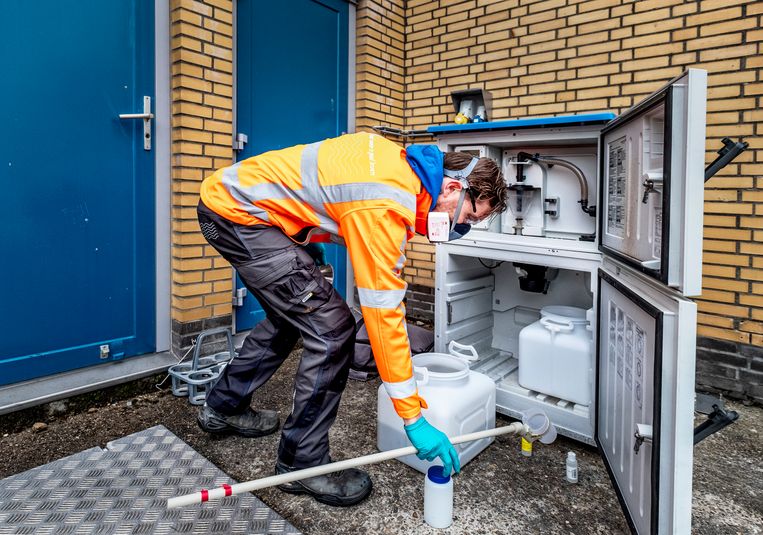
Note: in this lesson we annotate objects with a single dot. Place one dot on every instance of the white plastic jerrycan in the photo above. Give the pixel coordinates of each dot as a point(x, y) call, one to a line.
point(555, 355)
point(460, 401)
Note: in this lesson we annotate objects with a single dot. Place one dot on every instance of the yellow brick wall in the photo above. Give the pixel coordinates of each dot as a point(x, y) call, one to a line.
point(379, 79)
point(555, 57)
point(419, 267)
point(537, 58)
point(202, 92)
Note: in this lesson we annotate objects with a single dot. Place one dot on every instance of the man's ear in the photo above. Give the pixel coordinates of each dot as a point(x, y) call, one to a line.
point(452, 185)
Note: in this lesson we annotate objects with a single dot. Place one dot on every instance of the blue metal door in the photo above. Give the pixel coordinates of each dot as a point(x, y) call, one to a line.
point(291, 79)
point(77, 275)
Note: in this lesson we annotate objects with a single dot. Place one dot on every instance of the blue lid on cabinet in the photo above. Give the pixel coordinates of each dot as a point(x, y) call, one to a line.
point(534, 122)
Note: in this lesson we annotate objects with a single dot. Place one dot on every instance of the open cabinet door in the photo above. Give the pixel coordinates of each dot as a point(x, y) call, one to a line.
point(651, 196)
point(645, 398)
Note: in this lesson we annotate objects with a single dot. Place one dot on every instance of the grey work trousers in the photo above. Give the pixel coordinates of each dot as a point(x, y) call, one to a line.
point(298, 301)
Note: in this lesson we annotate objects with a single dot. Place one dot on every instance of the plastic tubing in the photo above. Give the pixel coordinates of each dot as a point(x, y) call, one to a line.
point(288, 477)
point(572, 167)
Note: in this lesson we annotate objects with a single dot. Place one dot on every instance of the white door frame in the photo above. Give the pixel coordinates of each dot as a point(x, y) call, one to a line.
point(163, 195)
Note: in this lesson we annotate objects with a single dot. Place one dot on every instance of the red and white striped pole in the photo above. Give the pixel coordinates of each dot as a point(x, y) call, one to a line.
point(280, 479)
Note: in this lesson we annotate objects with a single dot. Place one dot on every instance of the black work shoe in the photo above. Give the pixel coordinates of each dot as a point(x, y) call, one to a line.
point(341, 489)
point(250, 423)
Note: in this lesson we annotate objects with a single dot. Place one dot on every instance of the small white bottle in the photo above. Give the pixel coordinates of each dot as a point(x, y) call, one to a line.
point(572, 467)
point(438, 498)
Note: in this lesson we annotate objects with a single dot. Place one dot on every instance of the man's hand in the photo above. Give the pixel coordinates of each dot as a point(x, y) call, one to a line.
point(433, 443)
point(318, 252)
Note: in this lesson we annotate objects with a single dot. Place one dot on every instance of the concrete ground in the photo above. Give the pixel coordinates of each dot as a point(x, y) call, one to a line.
point(499, 492)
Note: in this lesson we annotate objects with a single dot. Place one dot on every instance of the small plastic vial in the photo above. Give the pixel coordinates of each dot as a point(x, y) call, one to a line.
point(438, 498)
point(527, 448)
point(572, 467)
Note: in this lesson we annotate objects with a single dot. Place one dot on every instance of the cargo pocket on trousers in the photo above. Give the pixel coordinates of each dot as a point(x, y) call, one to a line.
point(302, 290)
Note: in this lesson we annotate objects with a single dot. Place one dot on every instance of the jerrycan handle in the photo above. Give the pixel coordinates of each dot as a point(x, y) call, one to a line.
point(423, 373)
point(557, 326)
point(456, 349)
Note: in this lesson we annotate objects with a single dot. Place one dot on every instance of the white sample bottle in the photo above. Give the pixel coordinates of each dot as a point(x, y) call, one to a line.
point(438, 498)
point(572, 467)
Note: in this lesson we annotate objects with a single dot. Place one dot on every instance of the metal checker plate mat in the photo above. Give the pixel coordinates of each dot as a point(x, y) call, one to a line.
point(123, 489)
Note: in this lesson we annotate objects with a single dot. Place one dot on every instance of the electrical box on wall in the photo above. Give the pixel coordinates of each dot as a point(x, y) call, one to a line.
point(575, 299)
point(472, 105)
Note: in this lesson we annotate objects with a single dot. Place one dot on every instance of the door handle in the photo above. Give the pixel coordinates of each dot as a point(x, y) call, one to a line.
point(642, 435)
point(136, 115)
point(146, 116)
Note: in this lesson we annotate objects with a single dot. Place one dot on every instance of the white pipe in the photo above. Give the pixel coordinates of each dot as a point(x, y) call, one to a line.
point(288, 477)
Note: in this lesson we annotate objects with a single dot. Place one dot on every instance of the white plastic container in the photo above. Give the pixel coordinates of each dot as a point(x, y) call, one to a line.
point(460, 401)
point(438, 498)
point(555, 356)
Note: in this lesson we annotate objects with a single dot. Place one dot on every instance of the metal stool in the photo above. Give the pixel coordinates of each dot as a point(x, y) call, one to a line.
point(196, 378)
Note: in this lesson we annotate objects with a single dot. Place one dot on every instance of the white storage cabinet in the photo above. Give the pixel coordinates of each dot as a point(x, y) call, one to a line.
point(631, 263)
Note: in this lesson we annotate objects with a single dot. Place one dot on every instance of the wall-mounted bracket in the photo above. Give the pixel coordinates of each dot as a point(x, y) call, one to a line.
point(727, 154)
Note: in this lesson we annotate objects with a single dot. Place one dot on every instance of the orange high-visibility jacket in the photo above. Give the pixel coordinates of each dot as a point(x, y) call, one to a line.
point(359, 188)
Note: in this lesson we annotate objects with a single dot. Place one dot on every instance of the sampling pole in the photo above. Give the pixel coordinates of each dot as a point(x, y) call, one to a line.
point(288, 477)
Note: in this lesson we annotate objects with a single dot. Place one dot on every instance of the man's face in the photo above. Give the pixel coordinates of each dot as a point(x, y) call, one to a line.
point(448, 202)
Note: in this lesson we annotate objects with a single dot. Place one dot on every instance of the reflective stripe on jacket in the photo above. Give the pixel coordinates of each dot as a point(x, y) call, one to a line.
point(359, 188)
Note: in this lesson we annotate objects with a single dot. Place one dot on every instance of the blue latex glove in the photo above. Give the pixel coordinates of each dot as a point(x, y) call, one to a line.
point(318, 252)
point(433, 443)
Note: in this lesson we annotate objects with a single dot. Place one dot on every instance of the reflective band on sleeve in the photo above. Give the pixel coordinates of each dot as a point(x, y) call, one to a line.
point(380, 298)
point(402, 389)
point(400, 263)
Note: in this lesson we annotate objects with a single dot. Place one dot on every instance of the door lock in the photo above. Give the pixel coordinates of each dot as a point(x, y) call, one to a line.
point(643, 434)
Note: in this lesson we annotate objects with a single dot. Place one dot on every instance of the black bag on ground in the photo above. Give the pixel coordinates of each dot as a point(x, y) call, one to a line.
point(363, 366)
